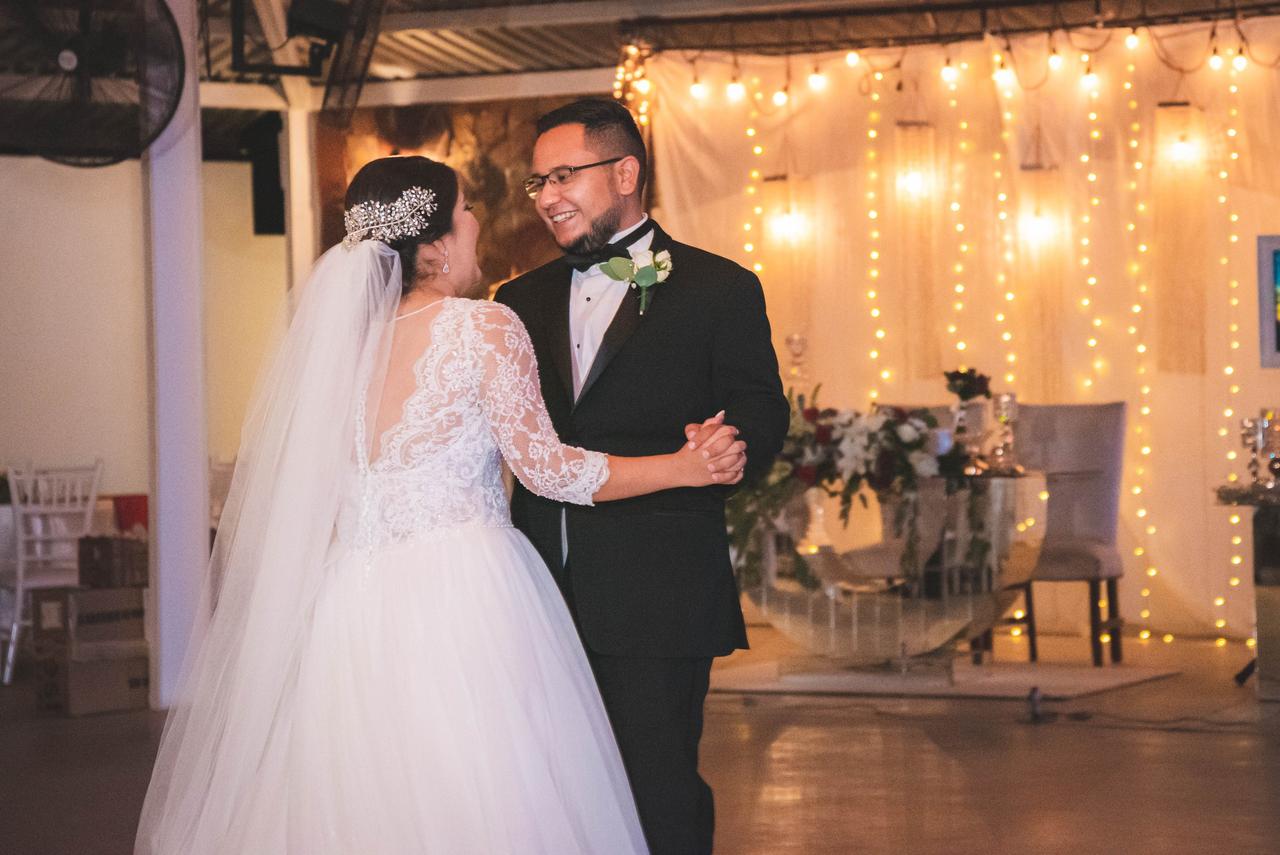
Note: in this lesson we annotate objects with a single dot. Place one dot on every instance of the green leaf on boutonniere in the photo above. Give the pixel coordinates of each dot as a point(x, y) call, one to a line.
point(619, 268)
point(645, 277)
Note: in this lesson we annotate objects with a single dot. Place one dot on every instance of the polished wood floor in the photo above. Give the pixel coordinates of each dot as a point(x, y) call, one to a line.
point(1189, 765)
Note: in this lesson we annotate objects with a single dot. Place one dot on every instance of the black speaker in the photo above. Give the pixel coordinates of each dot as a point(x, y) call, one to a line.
point(322, 19)
point(261, 141)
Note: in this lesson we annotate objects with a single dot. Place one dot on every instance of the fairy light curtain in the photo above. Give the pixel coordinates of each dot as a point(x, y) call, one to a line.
point(1067, 215)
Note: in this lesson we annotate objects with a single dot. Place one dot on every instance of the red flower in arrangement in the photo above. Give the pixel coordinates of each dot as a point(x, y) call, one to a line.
point(810, 414)
point(822, 434)
point(807, 474)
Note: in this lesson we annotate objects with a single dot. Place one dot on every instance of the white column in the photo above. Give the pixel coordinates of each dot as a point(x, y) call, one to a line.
point(179, 473)
point(302, 207)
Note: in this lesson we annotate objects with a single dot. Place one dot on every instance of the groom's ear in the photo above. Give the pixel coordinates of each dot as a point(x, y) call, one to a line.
point(628, 172)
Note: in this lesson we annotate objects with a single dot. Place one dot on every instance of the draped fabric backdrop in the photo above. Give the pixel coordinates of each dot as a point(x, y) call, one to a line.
point(1078, 247)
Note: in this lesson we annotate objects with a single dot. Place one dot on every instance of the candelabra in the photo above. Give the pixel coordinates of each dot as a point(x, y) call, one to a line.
point(1003, 461)
point(1261, 438)
point(797, 344)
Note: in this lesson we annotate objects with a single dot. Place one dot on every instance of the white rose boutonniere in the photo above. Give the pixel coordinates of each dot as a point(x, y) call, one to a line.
point(641, 271)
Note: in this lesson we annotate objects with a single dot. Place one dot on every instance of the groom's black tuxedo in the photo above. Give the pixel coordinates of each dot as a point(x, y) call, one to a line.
point(650, 576)
point(648, 579)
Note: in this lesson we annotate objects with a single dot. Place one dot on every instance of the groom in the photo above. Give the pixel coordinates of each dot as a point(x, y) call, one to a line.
point(648, 579)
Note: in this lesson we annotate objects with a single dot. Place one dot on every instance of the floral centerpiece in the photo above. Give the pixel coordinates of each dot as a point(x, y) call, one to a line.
point(839, 452)
point(844, 453)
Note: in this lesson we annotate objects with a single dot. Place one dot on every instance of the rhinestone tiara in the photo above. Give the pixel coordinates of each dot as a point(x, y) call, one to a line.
point(405, 217)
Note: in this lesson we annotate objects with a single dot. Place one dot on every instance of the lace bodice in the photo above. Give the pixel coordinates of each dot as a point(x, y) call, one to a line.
point(475, 400)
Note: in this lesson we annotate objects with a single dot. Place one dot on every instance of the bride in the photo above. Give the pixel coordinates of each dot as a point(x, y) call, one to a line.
point(384, 665)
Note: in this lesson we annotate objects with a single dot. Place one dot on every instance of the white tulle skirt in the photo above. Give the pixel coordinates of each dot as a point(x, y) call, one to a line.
point(443, 704)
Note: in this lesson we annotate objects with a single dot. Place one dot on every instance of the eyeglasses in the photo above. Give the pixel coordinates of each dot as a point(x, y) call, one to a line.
point(534, 183)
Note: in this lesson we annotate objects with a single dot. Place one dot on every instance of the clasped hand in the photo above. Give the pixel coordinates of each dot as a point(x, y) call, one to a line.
point(713, 454)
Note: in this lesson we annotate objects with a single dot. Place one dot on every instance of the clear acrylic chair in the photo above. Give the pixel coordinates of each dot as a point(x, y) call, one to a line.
point(52, 509)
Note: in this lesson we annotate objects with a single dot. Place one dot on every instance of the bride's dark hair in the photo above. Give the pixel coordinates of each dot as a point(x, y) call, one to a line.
point(384, 179)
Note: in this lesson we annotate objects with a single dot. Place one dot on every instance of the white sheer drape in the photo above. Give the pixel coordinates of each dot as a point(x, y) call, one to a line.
point(815, 162)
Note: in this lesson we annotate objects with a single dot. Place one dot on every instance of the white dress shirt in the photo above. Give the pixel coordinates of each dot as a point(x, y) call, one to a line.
point(594, 299)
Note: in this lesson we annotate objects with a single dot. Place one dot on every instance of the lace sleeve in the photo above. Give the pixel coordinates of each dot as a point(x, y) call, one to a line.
point(512, 402)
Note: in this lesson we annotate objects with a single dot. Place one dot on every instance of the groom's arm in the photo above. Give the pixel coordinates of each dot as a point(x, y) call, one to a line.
point(744, 374)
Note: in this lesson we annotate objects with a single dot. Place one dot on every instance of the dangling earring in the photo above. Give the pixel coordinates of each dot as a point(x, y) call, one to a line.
point(445, 268)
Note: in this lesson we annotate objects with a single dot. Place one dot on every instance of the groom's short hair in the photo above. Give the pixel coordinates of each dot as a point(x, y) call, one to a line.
point(610, 129)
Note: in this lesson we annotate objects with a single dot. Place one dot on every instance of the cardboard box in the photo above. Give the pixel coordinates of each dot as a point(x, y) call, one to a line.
point(114, 562)
point(75, 688)
point(70, 617)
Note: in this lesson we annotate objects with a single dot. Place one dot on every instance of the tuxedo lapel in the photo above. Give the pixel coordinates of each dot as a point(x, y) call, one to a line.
point(557, 324)
point(626, 320)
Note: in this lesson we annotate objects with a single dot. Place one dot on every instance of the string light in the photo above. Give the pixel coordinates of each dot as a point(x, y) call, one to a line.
point(1005, 238)
point(631, 86)
point(817, 80)
point(852, 58)
point(1232, 283)
point(956, 208)
point(875, 181)
point(1090, 303)
point(1138, 236)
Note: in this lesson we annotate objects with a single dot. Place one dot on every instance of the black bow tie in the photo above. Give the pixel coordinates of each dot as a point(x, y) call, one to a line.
point(582, 262)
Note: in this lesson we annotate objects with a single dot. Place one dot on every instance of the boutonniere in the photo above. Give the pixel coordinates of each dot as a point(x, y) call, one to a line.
point(641, 271)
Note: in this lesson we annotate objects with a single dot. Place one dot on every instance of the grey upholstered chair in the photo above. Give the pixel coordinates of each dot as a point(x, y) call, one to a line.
point(1080, 449)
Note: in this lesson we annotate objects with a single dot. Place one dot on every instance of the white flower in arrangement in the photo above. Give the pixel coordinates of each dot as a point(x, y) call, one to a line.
point(853, 456)
point(924, 463)
point(855, 443)
point(908, 432)
point(875, 421)
point(642, 257)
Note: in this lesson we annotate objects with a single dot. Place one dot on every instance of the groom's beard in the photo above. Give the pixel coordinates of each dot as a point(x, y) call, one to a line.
point(597, 237)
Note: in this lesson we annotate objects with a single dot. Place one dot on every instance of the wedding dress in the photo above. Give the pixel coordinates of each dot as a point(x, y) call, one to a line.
point(434, 697)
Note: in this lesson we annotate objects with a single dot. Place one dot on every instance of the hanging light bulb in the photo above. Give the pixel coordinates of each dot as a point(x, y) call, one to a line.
point(1004, 76)
point(950, 74)
point(1215, 59)
point(817, 80)
point(735, 91)
point(789, 226)
point(1131, 40)
point(1036, 228)
point(1239, 62)
point(1055, 60)
point(852, 58)
point(780, 98)
point(1090, 79)
point(642, 85)
point(1184, 150)
point(698, 89)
